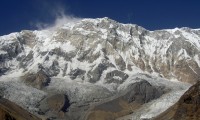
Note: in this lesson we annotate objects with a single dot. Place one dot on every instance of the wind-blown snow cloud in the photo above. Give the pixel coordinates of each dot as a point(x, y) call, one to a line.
point(59, 21)
point(58, 13)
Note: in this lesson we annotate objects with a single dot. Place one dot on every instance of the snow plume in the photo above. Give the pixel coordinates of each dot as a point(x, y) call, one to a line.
point(59, 16)
point(59, 21)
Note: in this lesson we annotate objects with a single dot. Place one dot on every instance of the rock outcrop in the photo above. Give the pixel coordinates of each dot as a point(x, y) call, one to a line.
point(136, 95)
point(38, 80)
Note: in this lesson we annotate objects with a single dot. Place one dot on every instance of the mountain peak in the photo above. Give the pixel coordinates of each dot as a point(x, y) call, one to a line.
point(93, 59)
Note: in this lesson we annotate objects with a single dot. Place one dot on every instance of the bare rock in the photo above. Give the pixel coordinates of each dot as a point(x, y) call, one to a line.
point(116, 77)
point(58, 102)
point(77, 73)
point(38, 80)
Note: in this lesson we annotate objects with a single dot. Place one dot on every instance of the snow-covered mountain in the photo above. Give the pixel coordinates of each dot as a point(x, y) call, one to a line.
point(86, 49)
point(92, 60)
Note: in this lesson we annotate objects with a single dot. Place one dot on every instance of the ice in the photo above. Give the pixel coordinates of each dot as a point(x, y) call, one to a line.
point(21, 94)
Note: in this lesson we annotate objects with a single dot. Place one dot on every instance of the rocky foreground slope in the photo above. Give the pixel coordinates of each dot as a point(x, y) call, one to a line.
point(11, 111)
point(95, 65)
point(187, 108)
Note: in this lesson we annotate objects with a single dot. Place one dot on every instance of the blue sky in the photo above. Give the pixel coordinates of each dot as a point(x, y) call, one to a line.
point(17, 15)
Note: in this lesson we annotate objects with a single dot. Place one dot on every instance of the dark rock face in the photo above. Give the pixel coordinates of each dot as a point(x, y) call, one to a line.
point(95, 74)
point(136, 95)
point(116, 77)
point(83, 55)
point(3, 57)
point(59, 52)
point(26, 59)
point(142, 92)
point(65, 69)
point(53, 70)
point(77, 73)
point(38, 80)
point(3, 70)
point(13, 49)
point(120, 63)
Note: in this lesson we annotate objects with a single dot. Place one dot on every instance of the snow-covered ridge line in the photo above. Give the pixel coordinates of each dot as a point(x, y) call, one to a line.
point(129, 44)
